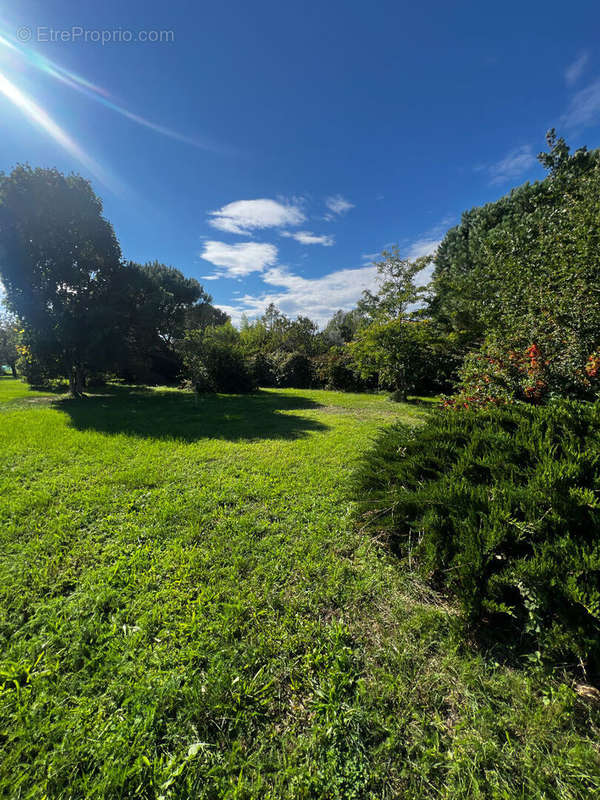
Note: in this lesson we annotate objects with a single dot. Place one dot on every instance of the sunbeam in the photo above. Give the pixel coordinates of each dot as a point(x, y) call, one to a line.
point(97, 93)
point(40, 117)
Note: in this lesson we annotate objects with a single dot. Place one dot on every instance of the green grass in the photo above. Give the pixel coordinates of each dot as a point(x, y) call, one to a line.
point(187, 611)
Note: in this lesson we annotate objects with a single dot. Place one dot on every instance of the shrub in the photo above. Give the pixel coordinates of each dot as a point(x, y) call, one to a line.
point(37, 373)
point(337, 370)
point(405, 355)
point(532, 368)
point(214, 361)
point(293, 370)
point(501, 507)
point(263, 370)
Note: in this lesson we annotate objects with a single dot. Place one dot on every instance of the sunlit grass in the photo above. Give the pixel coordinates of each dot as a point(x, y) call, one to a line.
point(186, 610)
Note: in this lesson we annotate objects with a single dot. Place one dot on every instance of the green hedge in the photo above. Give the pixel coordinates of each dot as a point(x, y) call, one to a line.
point(500, 506)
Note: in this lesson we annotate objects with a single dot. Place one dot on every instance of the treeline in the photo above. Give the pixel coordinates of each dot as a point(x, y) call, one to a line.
point(507, 310)
point(79, 311)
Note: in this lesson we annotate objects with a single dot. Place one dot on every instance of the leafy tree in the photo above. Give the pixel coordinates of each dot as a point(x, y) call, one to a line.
point(9, 341)
point(274, 332)
point(160, 303)
point(396, 347)
point(400, 354)
point(399, 292)
point(558, 160)
point(466, 291)
point(255, 337)
point(171, 297)
point(342, 327)
point(204, 315)
point(300, 336)
point(536, 283)
point(58, 261)
point(337, 369)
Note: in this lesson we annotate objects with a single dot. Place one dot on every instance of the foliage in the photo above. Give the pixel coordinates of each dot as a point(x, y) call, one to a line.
point(187, 611)
point(160, 304)
point(400, 348)
point(337, 369)
point(342, 327)
point(293, 370)
point(58, 262)
point(501, 506)
point(264, 369)
point(522, 272)
point(555, 364)
point(10, 337)
point(214, 360)
point(399, 291)
point(404, 355)
point(36, 372)
point(274, 332)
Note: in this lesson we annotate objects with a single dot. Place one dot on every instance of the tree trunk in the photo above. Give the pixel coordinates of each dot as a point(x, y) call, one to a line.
point(14, 369)
point(77, 381)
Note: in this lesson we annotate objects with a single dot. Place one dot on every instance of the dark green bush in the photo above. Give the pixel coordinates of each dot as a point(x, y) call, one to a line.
point(336, 370)
point(501, 507)
point(263, 370)
point(214, 361)
point(294, 370)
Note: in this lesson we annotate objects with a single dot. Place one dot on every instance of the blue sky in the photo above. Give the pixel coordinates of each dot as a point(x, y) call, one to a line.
point(271, 149)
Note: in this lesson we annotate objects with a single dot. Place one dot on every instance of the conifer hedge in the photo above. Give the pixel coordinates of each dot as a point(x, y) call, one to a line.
point(500, 506)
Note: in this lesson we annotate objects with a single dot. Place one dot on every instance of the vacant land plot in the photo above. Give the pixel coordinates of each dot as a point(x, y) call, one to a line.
point(187, 610)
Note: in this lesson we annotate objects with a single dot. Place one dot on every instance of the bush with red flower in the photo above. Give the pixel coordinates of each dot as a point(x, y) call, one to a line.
point(531, 372)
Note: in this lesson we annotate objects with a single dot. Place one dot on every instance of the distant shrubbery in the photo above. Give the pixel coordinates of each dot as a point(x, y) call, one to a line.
point(501, 506)
point(215, 362)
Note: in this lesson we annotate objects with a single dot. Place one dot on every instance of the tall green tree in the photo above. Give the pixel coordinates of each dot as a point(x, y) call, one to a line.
point(467, 290)
point(159, 305)
point(59, 258)
point(397, 346)
point(520, 276)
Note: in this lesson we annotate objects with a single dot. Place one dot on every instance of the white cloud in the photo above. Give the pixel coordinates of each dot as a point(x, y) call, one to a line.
point(584, 108)
point(245, 216)
point(337, 205)
point(516, 163)
point(239, 259)
point(306, 237)
point(368, 258)
point(318, 298)
point(423, 247)
point(574, 71)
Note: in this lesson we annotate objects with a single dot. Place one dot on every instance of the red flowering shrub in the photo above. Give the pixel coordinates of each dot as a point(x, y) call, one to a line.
point(500, 373)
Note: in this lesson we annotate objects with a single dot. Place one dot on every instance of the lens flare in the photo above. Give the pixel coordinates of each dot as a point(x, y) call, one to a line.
point(97, 93)
point(40, 117)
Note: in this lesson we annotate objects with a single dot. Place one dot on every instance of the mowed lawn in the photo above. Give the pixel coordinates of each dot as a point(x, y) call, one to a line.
point(188, 610)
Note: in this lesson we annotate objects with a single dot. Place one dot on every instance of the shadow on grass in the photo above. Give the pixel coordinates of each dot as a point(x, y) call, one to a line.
point(138, 411)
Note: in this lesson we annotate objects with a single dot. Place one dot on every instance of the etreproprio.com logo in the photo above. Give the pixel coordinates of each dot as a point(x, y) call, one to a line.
point(79, 34)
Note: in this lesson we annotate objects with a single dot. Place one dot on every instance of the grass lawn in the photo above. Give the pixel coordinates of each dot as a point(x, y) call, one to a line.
point(187, 611)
